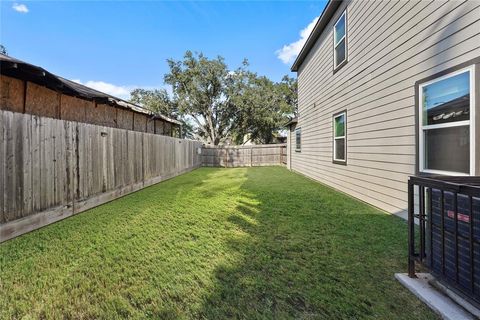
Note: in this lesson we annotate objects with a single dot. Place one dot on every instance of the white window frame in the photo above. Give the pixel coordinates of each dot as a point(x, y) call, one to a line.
point(470, 123)
point(335, 45)
point(344, 114)
point(298, 131)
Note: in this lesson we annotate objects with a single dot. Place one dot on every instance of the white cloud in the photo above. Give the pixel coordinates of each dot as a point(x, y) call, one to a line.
point(20, 8)
point(290, 51)
point(122, 92)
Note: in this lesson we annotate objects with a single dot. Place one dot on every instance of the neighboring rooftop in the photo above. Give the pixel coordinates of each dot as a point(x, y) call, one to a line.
point(19, 69)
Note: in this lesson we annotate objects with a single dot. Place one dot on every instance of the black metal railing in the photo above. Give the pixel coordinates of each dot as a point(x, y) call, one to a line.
point(447, 238)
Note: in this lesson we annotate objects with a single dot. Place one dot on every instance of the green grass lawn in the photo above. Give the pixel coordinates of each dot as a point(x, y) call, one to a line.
point(257, 243)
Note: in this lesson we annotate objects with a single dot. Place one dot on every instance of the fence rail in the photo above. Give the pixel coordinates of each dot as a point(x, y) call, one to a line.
point(244, 156)
point(51, 169)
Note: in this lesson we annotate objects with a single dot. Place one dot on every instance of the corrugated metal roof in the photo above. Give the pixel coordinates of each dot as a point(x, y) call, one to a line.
point(19, 69)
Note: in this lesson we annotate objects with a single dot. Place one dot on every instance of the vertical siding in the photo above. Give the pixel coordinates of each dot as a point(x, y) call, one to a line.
point(391, 45)
point(51, 169)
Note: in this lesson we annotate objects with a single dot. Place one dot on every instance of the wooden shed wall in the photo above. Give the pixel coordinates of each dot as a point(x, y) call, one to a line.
point(151, 126)
point(159, 127)
point(73, 109)
point(391, 45)
point(124, 119)
point(96, 114)
point(139, 122)
point(51, 169)
point(41, 101)
point(11, 94)
point(107, 114)
point(167, 129)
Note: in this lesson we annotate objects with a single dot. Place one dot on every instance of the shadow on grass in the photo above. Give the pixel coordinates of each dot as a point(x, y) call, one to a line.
point(310, 252)
point(215, 244)
point(110, 260)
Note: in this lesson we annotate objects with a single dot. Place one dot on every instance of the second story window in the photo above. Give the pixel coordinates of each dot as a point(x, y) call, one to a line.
point(340, 41)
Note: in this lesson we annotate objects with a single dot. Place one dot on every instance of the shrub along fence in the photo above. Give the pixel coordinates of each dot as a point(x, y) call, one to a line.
point(51, 169)
point(244, 156)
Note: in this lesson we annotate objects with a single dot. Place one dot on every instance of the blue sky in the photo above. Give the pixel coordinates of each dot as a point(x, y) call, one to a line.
point(446, 90)
point(125, 44)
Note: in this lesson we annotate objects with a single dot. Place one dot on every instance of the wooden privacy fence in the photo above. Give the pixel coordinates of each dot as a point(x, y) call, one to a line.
point(244, 156)
point(51, 169)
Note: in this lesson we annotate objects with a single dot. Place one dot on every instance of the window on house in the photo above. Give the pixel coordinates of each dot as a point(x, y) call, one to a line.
point(340, 41)
point(340, 137)
point(446, 112)
point(298, 139)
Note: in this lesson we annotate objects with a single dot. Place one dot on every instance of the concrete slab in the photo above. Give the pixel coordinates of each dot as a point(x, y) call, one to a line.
point(452, 295)
point(404, 215)
point(439, 302)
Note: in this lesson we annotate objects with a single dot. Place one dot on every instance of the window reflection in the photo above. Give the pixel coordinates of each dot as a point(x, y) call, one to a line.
point(447, 100)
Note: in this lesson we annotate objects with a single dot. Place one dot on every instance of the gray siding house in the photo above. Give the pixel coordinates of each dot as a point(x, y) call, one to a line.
point(388, 89)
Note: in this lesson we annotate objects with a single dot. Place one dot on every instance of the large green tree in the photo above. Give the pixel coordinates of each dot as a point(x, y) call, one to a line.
point(218, 104)
point(200, 87)
point(289, 91)
point(158, 101)
point(264, 107)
